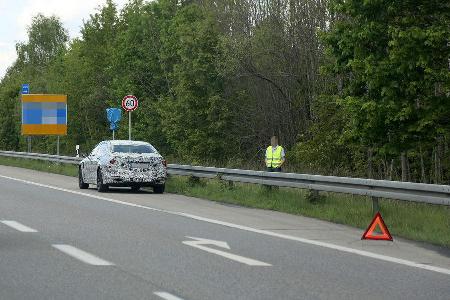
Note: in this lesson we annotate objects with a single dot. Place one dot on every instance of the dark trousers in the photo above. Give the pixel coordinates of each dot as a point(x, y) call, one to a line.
point(269, 187)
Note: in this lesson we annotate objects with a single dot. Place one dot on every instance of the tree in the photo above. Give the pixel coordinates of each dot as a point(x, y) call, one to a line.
point(195, 114)
point(91, 73)
point(393, 56)
point(47, 39)
point(46, 43)
point(137, 66)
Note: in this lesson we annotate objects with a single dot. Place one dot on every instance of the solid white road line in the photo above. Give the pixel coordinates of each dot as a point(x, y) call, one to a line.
point(82, 255)
point(18, 226)
point(250, 229)
point(167, 296)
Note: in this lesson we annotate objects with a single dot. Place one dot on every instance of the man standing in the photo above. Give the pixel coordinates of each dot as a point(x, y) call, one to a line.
point(275, 156)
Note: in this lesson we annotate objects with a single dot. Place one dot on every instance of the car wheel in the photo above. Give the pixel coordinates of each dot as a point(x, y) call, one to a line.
point(81, 184)
point(135, 188)
point(159, 189)
point(101, 187)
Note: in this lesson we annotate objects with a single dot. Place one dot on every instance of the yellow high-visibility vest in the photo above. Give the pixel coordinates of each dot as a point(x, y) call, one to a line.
point(273, 158)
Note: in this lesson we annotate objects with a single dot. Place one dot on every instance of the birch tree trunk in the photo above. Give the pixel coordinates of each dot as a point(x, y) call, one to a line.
point(438, 160)
point(391, 169)
point(423, 178)
point(370, 162)
point(403, 158)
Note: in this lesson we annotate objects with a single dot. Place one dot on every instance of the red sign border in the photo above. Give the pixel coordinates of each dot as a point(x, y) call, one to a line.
point(130, 96)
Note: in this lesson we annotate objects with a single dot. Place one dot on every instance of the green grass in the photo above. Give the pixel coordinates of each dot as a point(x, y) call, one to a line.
point(50, 167)
point(415, 221)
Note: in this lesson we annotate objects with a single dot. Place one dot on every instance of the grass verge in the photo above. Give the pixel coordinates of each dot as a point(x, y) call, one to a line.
point(415, 221)
point(39, 165)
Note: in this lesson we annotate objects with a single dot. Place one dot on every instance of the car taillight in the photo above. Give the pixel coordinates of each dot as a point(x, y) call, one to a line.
point(164, 163)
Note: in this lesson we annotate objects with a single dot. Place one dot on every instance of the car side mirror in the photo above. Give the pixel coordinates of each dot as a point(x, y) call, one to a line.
point(84, 155)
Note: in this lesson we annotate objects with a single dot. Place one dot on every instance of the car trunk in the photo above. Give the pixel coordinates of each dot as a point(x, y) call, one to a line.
point(139, 161)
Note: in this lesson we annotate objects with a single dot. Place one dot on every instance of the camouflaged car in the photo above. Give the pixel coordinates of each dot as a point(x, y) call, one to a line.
point(123, 164)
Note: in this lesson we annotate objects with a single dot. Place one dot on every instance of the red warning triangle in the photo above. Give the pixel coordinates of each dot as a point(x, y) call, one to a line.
point(370, 235)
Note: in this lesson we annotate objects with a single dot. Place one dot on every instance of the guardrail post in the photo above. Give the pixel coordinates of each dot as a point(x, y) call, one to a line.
point(225, 184)
point(313, 196)
point(57, 146)
point(193, 180)
point(375, 206)
point(230, 184)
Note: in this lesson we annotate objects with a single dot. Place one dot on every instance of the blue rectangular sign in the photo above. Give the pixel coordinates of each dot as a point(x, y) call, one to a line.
point(25, 88)
point(113, 114)
point(44, 113)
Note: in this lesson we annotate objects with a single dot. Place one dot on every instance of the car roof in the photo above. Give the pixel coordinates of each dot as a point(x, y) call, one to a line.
point(126, 142)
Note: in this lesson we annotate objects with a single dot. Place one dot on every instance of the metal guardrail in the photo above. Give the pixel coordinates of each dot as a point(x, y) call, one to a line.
point(40, 156)
point(408, 191)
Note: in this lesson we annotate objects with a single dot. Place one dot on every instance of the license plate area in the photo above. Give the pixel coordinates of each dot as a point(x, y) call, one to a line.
point(140, 165)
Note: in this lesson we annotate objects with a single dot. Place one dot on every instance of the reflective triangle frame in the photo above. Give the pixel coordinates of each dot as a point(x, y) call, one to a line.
point(369, 233)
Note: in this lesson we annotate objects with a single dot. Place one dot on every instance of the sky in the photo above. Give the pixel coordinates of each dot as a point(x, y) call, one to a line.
point(16, 15)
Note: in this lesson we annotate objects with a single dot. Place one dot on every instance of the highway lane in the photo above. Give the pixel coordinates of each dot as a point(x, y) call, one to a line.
point(148, 255)
point(31, 269)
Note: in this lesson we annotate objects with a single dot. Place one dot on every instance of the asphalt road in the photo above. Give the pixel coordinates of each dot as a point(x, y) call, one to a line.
point(58, 243)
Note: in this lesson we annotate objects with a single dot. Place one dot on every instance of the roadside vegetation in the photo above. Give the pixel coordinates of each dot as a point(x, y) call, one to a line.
point(414, 221)
point(38, 165)
point(352, 88)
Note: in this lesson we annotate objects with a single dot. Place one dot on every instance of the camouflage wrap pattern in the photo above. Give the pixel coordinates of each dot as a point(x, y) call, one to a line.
point(150, 170)
point(125, 169)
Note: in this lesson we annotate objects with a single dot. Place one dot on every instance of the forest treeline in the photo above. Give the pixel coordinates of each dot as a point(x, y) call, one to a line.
point(352, 88)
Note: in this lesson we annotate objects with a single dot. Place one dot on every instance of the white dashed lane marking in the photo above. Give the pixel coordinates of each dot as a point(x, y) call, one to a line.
point(251, 229)
point(17, 226)
point(82, 255)
point(166, 296)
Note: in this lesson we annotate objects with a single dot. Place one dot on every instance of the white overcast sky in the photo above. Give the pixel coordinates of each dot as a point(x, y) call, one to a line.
point(15, 17)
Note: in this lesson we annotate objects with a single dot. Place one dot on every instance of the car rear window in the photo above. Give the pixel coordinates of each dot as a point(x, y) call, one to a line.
point(139, 149)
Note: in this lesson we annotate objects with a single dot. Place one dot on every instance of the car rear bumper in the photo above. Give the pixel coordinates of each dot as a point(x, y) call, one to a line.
point(133, 177)
point(128, 182)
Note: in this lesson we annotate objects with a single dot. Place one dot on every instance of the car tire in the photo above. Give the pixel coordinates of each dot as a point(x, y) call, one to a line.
point(101, 187)
point(159, 189)
point(81, 184)
point(135, 188)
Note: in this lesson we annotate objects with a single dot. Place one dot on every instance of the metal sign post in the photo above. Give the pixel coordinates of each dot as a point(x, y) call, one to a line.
point(129, 125)
point(57, 146)
point(24, 91)
point(129, 103)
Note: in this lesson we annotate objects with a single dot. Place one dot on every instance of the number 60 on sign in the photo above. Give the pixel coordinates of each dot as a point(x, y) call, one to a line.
point(129, 103)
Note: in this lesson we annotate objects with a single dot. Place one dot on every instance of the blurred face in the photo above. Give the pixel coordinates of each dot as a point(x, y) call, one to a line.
point(274, 141)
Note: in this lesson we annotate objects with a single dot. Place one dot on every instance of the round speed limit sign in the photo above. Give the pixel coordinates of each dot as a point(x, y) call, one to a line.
point(129, 103)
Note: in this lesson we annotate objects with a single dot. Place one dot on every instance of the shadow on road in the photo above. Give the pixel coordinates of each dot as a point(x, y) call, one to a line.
point(123, 190)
